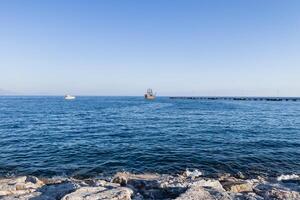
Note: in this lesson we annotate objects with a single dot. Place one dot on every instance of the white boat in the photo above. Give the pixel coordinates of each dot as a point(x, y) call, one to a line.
point(69, 97)
point(149, 95)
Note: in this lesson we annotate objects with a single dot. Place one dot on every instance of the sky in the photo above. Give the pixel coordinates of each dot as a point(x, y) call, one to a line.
point(175, 47)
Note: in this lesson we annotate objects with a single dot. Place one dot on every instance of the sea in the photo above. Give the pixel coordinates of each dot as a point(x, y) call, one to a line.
point(94, 136)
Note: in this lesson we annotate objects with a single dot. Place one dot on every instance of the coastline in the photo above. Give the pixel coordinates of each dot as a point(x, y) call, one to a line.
point(188, 185)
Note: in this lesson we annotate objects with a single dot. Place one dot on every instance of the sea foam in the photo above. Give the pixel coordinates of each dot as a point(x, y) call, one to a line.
point(288, 177)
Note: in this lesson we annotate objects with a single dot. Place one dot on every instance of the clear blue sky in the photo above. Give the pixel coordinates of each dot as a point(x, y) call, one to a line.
point(176, 47)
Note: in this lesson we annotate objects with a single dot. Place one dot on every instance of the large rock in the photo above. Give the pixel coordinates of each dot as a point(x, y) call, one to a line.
point(124, 178)
point(47, 192)
point(209, 183)
point(103, 193)
point(204, 189)
point(202, 193)
point(57, 191)
point(275, 191)
point(121, 178)
point(151, 186)
point(19, 185)
point(195, 193)
point(245, 196)
point(29, 196)
point(282, 194)
point(237, 186)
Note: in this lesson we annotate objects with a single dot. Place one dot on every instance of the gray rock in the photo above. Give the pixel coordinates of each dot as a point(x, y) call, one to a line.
point(205, 189)
point(201, 193)
point(208, 183)
point(269, 191)
point(237, 186)
point(224, 176)
point(103, 193)
point(19, 185)
point(138, 196)
point(282, 194)
point(56, 191)
point(47, 192)
point(195, 193)
point(245, 196)
point(120, 178)
point(29, 196)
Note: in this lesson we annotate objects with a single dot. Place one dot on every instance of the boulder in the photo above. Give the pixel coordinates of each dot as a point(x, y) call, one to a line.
point(103, 193)
point(138, 181)
point(237, 186)
point(138, 196)
point(120, 178)
point(270, 191)
point(29, 196)
point(195, 193)
point(245, 196)
point(223, 176)
point(204, 189)
point(56, 191)
point(209, 183)
point(47, 192)
point(282, 194)
point(202, 193)
point(103, 183)
point(151, 186)
point(19, 185)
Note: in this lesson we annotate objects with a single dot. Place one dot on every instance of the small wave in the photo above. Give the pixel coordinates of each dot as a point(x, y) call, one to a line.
point(288, 177)
point(193, 173)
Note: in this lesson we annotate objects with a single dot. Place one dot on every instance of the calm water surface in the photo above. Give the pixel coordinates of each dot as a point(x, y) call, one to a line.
point(47, 136)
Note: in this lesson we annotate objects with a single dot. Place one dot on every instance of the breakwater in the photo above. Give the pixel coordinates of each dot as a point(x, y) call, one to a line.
point(239, 98)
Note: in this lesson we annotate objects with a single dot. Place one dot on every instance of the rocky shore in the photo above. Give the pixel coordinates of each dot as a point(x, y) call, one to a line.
point(190, 185)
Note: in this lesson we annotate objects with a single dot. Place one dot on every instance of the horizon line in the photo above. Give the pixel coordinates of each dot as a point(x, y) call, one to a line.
point(220, 96)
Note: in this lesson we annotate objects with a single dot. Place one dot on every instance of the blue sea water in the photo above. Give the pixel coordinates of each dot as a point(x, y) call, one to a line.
point(49, 136)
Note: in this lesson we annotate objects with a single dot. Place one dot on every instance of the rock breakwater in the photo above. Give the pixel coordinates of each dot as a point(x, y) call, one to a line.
point(127, 186)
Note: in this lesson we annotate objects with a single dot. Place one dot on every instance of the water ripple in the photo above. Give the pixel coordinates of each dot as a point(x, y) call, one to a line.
point(50, 136)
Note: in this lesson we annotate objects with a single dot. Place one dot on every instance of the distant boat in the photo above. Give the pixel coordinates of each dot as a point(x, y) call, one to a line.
point(149, 95)
point(69, 97)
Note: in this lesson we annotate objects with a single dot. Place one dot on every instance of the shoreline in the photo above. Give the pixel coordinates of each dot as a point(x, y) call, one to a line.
point(188, 185)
